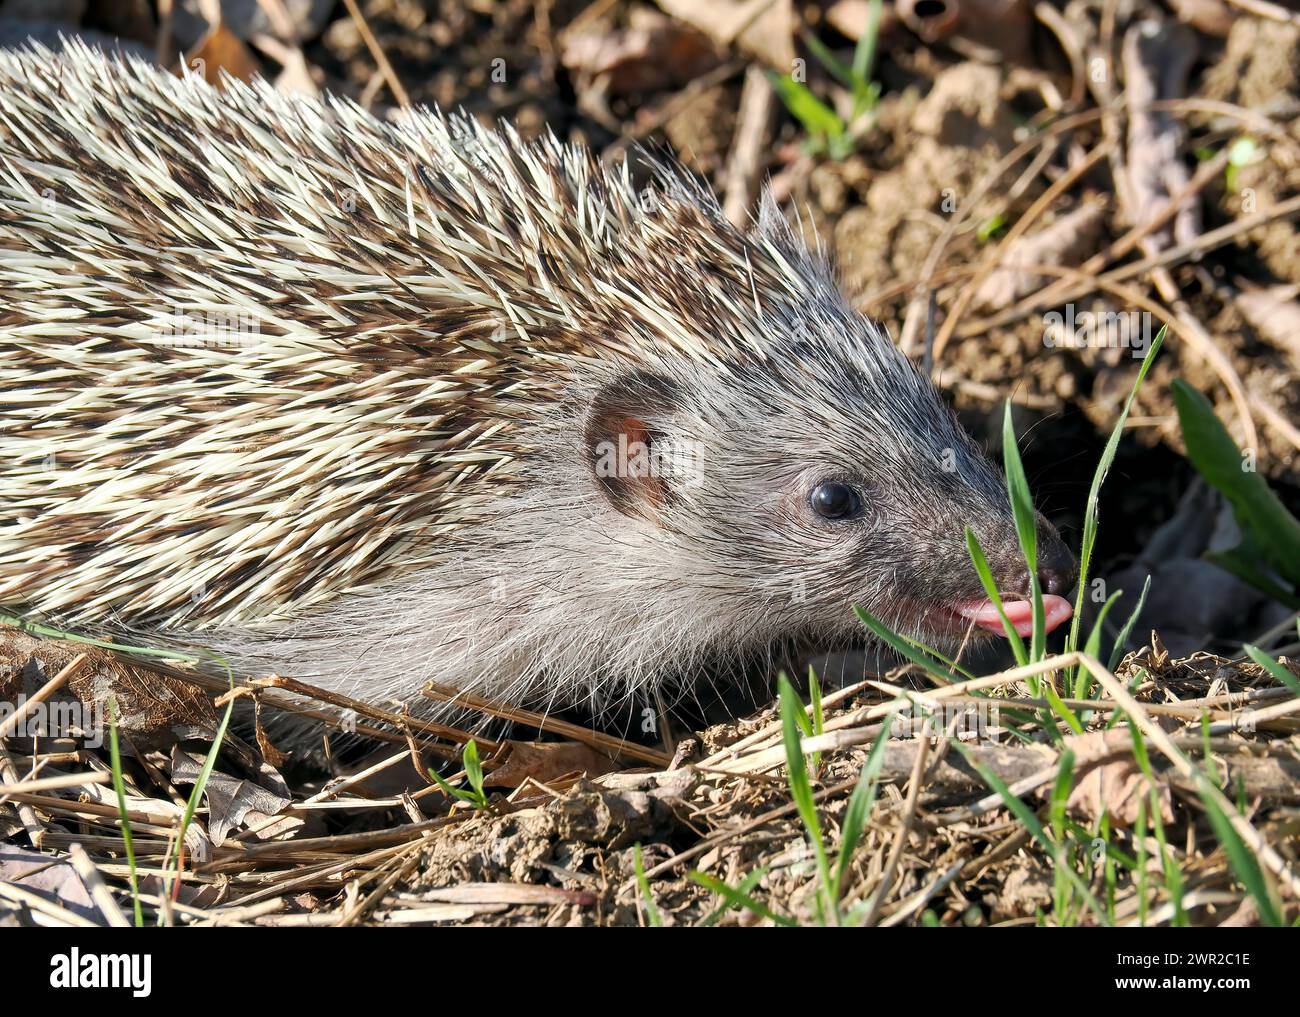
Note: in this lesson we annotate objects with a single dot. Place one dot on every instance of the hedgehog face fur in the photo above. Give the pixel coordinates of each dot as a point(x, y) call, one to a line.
point(487, 413)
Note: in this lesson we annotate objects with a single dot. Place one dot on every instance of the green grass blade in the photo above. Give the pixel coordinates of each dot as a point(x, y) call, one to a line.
point(1056, 814)
point(474, 770)
point(991, 591)
point(1243, 862)
point(1140, 835)
point(886, 635)
point(947, 661)
point(1109, 874)
point(797, 775)
point(817, 118)
point(651, 911)
point(451, 792)
point(860, 805)
point(201, 782)
point(815, 702)
point(742, 889)
point(1173, 875)
point(1026, 816)
point(1061, 710)
point(1274, 668)
point(1098, 478)
point(37, 629)
point(818, 713)
point(119, 787)
point(735, 898)
point(1026, 517)
point(864, 54)
point(1121, 640)
point(1082, 678)
point(837, 67)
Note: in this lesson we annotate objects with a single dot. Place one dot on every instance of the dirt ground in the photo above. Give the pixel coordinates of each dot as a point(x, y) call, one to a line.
point(963, 183)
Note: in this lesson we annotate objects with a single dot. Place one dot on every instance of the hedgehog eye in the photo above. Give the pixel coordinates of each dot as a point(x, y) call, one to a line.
point(834, 501)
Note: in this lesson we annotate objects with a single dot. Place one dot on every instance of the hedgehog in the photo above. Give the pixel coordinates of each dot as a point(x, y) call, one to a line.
point(369, 403)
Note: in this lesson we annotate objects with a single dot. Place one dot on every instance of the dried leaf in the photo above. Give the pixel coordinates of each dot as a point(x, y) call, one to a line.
point(56, 881)
point(1114, 786)
point(222, 50)
point(231, 802)
point(1275, 314)
point(1157, 58)
point(1067, 241)
point(654, 53)
point(154, 710)
point(763, 28)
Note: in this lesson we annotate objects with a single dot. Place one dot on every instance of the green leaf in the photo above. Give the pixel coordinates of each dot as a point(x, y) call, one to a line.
point(1173, 874)
point(475, 798)
point(1026, 816)
point(143, 651)
point(1140, 838)
point(1272, 534)
point(473, 766)
point(1140, 749)
point(1062, 711)
point(817, 118)
point(1083, 679)
point(815, 702)
point(829, 60)
point(205, 772)
point(818, 713)
point(1242, 152)
point(991, 228)
point(1056, 812)
point(947, 661)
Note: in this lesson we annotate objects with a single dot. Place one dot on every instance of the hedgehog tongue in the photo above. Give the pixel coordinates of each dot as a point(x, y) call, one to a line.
point(1019, 612)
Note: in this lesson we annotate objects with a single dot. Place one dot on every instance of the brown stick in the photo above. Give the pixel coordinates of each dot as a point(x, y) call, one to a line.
point(377, 51)
point(745, 166)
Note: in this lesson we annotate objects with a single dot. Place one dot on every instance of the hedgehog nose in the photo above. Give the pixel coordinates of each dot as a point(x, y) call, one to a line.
point(1057, 569)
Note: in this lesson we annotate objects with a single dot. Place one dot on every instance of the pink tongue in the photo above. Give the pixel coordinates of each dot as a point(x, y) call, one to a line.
point(1019, 612)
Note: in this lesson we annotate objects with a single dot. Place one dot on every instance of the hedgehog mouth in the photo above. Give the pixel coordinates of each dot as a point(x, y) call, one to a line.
point(1020, 613)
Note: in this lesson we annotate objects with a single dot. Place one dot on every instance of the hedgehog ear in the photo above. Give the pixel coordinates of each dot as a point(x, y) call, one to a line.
point(629, 438)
